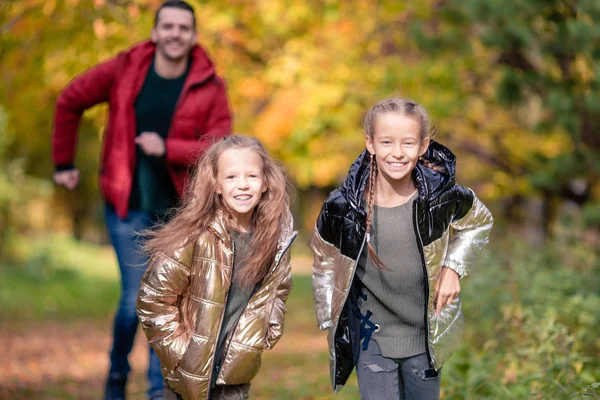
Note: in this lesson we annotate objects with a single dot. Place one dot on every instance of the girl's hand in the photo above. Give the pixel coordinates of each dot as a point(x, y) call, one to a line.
point(447, 289)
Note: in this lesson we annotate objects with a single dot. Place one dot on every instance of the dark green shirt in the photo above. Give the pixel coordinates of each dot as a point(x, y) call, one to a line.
point(152, 189)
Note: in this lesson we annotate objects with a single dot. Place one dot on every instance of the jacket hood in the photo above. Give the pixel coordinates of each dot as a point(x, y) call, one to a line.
point(433, 174)
point(201, 69)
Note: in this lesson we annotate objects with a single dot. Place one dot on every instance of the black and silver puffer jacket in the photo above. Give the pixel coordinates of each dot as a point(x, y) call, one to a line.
point(451, 225)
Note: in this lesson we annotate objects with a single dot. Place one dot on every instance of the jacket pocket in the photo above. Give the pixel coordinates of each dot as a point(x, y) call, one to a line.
point(241, 364)
point(172, 352)
point(198, 357)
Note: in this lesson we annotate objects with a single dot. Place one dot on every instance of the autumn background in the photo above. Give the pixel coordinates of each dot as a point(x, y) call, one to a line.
point(513, 85)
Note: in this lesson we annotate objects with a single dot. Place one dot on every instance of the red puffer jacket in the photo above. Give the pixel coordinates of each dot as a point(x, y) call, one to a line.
point(201, 116)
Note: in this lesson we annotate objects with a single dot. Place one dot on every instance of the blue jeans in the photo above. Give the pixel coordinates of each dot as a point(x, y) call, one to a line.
point(132, 264)
point(408, 378)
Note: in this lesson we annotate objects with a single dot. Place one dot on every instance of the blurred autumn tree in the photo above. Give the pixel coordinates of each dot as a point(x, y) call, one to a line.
point(542, 60)
point(511, 85)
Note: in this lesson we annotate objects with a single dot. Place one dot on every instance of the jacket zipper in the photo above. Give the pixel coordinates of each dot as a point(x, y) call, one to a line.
point(226, 349)
point(424, 265)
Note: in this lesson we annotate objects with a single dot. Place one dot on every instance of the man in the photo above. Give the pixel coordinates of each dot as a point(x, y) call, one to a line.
point(166, 107)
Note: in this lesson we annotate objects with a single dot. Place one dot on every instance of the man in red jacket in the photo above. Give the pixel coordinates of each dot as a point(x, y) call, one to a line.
point(166, 107)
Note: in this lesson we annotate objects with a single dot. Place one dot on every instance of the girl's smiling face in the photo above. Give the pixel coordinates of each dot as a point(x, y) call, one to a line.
point(397, 146)
point(241, 183)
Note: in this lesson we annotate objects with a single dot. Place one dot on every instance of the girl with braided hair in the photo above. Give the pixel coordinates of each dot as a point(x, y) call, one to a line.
point(390, 246)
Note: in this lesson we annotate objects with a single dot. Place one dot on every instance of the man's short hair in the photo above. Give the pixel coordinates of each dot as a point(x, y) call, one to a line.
point(182, 5)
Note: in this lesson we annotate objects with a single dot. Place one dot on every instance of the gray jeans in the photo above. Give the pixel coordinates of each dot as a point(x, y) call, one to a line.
point(395, 378)
point(232, 392)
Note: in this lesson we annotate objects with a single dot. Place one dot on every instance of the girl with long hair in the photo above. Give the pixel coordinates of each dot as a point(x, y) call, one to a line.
point(390, 246)
point(213, 297)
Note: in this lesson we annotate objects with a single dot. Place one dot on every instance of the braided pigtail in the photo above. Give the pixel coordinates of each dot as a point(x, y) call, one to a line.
point(370, 202)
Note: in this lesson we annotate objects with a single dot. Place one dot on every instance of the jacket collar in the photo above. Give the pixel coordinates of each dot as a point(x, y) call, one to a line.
point(288, 234)
point(217, 226)
point(435, 172)
point(432, 175)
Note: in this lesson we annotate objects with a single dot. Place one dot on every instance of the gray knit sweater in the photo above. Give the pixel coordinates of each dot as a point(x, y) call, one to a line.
point(395, 297)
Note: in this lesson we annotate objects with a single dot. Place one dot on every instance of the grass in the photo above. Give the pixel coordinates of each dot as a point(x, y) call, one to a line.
point(60, 280)
point(532, 326)
point(75, 286)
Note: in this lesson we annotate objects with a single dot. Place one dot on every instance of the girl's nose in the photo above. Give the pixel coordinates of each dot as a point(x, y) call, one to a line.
point(398, 151)
point(243, 183)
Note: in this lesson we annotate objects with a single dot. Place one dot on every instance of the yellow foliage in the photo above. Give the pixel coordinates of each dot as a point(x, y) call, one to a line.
point(298, 11)
point(325, 170)
point(59, 81)
point(49, 7)
point(232, 36)
point(555, 144)
point(553, 69)
point(99, 28)
point(346, 27)
point(584, 69)
point(312, 212)
point(251, 88)
point(275, 124)
point(303, 176)
point(270, 11)
point(133, 10)
point(301, 76)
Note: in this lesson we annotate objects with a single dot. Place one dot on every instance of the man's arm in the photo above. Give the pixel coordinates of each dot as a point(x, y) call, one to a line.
point(86, 90)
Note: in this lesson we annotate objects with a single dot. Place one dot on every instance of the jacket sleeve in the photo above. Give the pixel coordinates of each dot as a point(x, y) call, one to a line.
point(323, 268)
point(158, 305)
point(469, 232)
point(278, 309)
point(86, 90)
point(185, 152)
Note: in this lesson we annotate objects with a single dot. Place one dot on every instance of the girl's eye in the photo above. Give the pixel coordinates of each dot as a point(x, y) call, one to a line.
point(230, 176)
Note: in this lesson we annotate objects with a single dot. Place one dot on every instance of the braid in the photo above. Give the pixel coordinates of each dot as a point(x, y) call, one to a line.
point(370, 202)
point(370, 198)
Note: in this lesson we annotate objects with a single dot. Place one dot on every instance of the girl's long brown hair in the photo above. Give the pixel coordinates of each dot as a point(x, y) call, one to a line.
point(201, 203)
point(399, 106)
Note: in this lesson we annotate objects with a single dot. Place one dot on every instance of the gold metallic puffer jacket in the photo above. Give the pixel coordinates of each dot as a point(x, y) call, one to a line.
point(181, 302)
